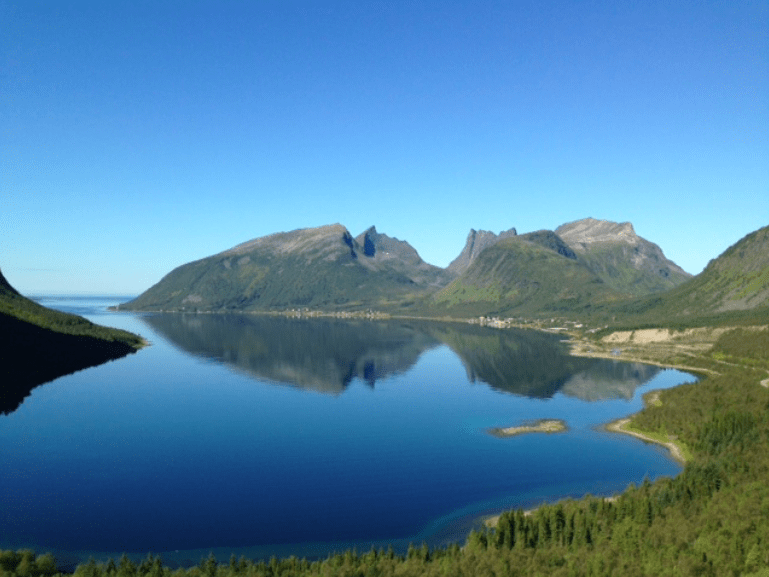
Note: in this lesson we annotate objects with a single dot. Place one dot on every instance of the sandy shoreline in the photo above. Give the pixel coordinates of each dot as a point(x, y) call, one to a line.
point(618, 426)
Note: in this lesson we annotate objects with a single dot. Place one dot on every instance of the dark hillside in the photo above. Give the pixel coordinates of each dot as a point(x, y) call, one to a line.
point(38, 345)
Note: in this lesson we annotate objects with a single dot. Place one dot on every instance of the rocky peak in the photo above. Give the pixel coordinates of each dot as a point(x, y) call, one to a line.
point(477, 240)
point(625, 261)
point(369, 245)
point(380, 246)
point(581, 233)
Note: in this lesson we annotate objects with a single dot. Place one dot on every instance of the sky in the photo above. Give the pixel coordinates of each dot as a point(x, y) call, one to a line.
point(137, 136)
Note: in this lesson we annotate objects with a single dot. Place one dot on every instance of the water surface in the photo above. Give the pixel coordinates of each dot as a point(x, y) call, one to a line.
point(262, 436)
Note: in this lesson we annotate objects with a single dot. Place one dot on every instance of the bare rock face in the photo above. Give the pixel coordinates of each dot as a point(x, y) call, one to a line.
point(380, 246)
point(625, 261)
point(380, 250)
point(581, 234)
point(477, 240)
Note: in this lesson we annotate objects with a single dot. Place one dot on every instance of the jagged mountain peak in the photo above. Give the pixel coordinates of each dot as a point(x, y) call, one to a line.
point(477, 241)
point(382, 246)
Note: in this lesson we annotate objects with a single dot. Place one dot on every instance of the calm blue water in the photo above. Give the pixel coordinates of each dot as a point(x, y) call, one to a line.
point(259, 436)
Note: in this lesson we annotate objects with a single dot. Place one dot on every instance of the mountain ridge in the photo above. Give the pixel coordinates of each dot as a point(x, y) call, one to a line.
point(523, 275)
point(323, 267)
point(625, 261)
point(326, 268)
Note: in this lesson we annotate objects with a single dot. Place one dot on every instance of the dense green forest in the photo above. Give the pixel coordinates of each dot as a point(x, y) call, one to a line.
point(709, 520)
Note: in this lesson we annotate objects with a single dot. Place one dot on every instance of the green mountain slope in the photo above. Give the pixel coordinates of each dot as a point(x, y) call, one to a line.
point(39, 345)
point(734, 285)
point(317, 268)
point(523, 275)
point(477, 241)
point(623, 260)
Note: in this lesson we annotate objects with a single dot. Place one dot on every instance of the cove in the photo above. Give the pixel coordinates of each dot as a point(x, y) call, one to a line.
point(274, 436)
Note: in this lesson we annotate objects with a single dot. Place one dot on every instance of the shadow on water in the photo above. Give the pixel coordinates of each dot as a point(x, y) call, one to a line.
point(325, 355)
point(33, 356)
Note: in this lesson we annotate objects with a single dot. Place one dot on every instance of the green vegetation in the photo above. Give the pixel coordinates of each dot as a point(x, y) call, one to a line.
point(613, 263)
point(733, 289)
point(29, 332)
point(743, 346)
point(15, 307)
point(318, 269)
point(517, 276)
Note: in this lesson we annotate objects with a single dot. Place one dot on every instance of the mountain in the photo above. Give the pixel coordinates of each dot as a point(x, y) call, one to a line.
point(523, 275)
point(317, 268)
point(477, 240)
point(40, 344)
point(583, 264)
point(550, 240)
point(398, 255)
point(623, 260)
point(736, 283)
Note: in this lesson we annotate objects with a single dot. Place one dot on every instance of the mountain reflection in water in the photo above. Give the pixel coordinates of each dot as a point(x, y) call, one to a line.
point(325, 355)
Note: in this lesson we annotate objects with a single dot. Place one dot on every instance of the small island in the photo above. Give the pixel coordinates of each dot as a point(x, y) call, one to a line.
point(540, 426)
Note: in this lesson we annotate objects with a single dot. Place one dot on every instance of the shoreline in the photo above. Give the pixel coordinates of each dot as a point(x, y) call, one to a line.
point(619, 425)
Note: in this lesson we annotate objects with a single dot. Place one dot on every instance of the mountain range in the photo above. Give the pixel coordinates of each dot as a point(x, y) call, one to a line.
point(579, 265)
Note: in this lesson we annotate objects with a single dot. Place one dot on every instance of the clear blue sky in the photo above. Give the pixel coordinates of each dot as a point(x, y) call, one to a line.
point(136, 136)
